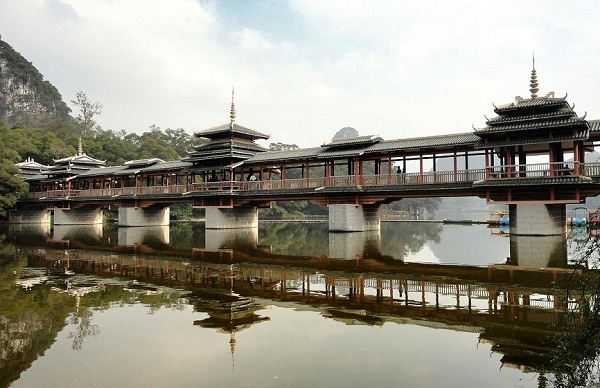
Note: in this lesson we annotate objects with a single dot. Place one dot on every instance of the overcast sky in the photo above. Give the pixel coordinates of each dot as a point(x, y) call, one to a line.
point(304, 69)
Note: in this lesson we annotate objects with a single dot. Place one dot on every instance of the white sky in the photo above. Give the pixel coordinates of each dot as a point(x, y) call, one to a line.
point(304, 69)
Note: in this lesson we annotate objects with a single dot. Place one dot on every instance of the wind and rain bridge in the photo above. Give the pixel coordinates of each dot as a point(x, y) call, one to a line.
point(534, 151)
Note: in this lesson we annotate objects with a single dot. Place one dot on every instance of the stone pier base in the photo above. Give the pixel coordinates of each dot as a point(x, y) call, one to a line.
point(82, 216)
point(231, 218)
point(31, 216)
point(137, 216)
point(538, 220)
point(352, 218)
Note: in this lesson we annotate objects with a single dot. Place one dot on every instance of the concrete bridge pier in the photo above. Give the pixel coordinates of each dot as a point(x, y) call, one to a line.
point(29, 216)
point(138, 216)
point(231, 218)
point(78, 216)
point(538, 220)
point(353, 218)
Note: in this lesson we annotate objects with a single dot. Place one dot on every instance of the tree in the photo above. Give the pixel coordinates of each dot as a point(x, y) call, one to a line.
point(282, 146)
point(415, 205)
point(87, 111)
point(12, 185)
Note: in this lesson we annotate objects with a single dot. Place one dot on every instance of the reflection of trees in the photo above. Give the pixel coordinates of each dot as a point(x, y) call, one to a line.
point(398, 239)
point(296, 239)
point(185, 236)
point(29, 320)
point(83, 323)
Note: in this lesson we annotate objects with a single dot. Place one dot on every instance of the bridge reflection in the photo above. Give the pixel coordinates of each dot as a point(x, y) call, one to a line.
point(511, 306)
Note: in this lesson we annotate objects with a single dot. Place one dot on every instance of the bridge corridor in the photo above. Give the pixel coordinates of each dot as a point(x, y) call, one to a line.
point(231, 175)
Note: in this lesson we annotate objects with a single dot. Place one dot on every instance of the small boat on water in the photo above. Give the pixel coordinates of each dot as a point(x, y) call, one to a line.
point(580, 217)
point(499, 217)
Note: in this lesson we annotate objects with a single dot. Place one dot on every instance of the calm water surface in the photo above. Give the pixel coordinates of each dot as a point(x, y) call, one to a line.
point(289, 304)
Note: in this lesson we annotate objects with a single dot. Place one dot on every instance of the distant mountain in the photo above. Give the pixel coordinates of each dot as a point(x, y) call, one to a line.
point(346, 132)
point(25, 96)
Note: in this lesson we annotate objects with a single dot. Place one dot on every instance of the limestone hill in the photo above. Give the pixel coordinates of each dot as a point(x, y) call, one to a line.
point(25, 97)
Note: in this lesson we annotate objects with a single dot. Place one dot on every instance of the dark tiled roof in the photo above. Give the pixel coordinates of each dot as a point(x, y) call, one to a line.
point(228, 143)
point(531, 139)
point(529, 103)
point(533, 125)
point(82, 159)
point(274, 156)
point(531, 117)
point(143, 162)
point(166, 166)
point(341, 153)
point(224, 150)
point(594, 125)
point(352, 141)
point(226, 129)
point(100, 171)
point(430, 142)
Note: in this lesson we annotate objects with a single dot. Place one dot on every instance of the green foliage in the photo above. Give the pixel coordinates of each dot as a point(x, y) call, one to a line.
point(12, 185)
point(87, 111)
point(293, 210)
point(282, 146)
point(183, 211)
point(296, 239)
point(167, 145)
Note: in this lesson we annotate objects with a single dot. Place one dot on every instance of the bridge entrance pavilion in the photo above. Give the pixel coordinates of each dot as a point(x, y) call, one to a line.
point(545, 128)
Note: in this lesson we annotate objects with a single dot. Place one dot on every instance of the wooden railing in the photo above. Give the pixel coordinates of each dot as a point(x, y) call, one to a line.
point(497, 172)
point(538, 170)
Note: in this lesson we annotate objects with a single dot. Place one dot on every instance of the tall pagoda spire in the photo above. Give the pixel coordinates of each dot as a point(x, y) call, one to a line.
point(232, 113)
point(533, 83)
point(79, 147)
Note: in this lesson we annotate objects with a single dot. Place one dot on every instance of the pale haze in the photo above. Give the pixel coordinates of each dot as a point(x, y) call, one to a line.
point(304, 69)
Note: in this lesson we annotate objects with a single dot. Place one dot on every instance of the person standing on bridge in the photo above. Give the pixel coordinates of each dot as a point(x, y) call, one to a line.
point(251, 177)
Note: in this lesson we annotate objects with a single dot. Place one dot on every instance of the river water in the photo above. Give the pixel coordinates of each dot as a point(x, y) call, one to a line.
point(417, 305)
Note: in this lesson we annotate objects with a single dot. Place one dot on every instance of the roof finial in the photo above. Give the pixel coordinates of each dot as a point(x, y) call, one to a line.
point(534, 83)
point(232, 113)
point(79, 147)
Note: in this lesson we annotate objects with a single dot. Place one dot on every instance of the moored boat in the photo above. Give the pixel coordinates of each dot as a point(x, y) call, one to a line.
point(499, 217)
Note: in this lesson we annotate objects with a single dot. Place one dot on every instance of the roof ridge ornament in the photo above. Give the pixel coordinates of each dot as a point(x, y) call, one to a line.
point(79, 147)
point(232, 112)
point(534, 82)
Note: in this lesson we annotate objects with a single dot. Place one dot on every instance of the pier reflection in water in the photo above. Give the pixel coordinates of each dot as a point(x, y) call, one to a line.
point(148, 235)
point(233, 280)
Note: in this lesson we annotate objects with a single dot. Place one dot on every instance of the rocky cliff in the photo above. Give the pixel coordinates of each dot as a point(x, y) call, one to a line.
point(25, 96)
